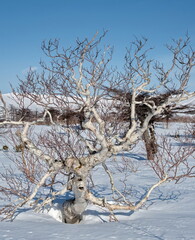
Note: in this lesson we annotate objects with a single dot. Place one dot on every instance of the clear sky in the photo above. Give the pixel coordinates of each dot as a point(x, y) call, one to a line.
point(24, 24)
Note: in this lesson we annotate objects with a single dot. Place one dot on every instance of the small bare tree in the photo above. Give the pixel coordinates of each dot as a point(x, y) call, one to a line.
point(76, 79)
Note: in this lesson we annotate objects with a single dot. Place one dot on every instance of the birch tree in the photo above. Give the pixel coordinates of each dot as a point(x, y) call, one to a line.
point(76, 79)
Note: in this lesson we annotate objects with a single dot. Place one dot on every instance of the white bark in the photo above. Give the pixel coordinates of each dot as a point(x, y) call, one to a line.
point(73, 209)
point(77, 75)
point(130, 206)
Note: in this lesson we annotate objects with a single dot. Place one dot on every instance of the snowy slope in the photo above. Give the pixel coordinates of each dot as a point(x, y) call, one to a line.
point(166, 219)
point(9, 99)
point(169, 213)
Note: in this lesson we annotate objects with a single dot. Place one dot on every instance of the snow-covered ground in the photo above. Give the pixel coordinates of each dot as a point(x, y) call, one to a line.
point(169, 213)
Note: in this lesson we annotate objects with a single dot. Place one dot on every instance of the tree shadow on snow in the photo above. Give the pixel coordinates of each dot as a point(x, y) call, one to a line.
point(135, 156)
point(18, 212)
point(174, 195)
point(104, 215)
point(184, 144)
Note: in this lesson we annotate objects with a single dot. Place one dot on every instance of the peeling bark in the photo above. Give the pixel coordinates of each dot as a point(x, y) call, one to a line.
point(72, 209)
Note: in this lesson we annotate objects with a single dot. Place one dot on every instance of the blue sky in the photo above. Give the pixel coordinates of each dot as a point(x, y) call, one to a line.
point(24, 24)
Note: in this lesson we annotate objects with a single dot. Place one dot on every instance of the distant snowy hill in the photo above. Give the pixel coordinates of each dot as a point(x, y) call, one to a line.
point(10, 100)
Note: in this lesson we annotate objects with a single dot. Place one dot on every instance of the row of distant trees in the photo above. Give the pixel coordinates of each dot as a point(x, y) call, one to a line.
point(71, 116)
point(26, 114)
point(121, 105)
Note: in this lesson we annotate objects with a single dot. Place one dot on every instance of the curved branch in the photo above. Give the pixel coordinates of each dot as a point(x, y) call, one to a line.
point(101, 201)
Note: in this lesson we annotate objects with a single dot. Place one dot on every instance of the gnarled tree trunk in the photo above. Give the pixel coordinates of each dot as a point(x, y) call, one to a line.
point(72, 210)
point(150, 142)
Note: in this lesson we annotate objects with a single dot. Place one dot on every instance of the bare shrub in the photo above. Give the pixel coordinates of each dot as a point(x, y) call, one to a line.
point(172, 159)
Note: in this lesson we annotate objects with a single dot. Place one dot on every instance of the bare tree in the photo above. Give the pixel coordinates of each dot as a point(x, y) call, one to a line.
point(122, 106)
point(75, 79)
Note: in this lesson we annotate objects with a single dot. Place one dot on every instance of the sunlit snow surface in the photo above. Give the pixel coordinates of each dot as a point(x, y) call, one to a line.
point(168, 215)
